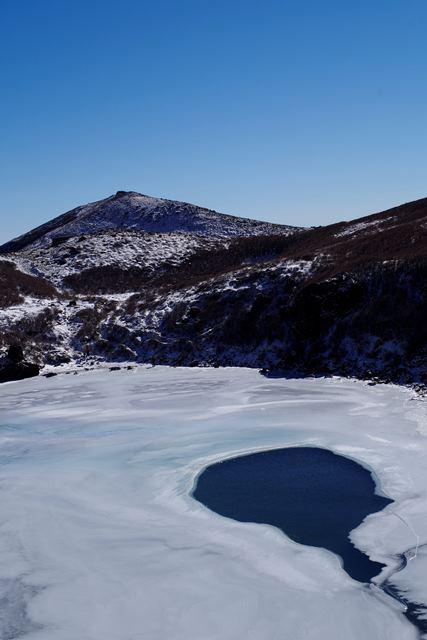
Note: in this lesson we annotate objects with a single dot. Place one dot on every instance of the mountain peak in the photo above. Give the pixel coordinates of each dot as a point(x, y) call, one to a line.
point(120, 194)
point(133, 211)
point(123, 194)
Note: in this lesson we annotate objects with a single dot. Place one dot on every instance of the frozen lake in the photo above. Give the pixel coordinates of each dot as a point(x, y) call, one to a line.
point(100, 538)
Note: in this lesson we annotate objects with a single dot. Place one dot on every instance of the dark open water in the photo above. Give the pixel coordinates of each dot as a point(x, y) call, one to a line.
point(313, 495)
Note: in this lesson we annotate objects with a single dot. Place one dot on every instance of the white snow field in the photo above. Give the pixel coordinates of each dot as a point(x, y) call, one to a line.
point(100, 538)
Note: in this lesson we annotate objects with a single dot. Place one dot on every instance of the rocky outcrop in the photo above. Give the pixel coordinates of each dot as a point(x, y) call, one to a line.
point(14, 367)
point(19, 371)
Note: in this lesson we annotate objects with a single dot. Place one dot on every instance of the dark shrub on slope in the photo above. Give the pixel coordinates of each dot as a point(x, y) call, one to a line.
point(364, 325)
point(15, 284)
point(107, 279)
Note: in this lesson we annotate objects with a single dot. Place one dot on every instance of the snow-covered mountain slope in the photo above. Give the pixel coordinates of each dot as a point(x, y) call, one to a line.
point(124, 249)
point(133, 211)
point(128, 231)
point(349, 298)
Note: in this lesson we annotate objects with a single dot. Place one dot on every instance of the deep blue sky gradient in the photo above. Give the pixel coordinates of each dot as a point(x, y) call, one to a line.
point(301, 112)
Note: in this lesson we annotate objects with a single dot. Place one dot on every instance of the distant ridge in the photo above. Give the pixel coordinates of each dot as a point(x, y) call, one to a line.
point(129, 210)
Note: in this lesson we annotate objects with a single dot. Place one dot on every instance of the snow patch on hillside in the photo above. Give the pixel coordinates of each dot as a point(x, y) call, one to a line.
point(367, 225)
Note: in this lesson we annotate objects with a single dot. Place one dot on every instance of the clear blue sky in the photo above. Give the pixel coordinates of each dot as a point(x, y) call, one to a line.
point(301, 112)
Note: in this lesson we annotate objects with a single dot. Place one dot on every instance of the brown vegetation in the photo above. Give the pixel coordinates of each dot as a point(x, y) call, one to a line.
point(107, 279)
point(15, 284)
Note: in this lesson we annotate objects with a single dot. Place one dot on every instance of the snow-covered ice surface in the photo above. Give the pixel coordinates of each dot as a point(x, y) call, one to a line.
point(100, 538)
